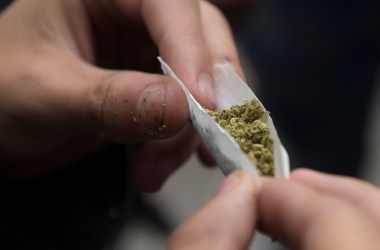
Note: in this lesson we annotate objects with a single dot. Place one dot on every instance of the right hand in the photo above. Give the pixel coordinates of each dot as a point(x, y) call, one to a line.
point(316, 211)
point(312, 211)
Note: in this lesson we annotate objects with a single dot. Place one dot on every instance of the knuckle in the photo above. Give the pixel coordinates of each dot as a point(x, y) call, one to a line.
point(96, 103)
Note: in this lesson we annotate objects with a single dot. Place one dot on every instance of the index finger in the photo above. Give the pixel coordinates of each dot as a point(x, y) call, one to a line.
point(309, 220)
point(175, 27)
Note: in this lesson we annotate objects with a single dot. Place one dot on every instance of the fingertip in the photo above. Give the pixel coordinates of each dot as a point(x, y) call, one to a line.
point(235, 65)
point(162, 107)
point(205, 156)
point(206, 91)
point(176, 108)
point(227, 221)
point(196, 74)
point(239, 183)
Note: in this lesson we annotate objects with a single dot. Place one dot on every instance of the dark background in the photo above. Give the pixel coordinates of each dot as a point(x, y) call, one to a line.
point(316, 65)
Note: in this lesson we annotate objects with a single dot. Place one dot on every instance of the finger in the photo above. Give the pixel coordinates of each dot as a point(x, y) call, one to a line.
point(205, 156)
point(225, 222)
point(357, 192)
point(157, 160)
point(176, 29)
point(306, 219)
point(123, 106)
point(219, 38)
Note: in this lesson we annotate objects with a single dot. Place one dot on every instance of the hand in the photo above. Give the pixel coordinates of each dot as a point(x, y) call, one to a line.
point(319, 211)
point(313, 211)
point(69, 85)
point(227, 221)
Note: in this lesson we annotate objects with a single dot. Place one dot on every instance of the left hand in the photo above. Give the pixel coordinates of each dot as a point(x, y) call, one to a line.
point(69, 74)
point(227, 221)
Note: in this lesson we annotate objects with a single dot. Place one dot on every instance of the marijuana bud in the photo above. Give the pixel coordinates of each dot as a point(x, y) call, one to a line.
point(243, 122)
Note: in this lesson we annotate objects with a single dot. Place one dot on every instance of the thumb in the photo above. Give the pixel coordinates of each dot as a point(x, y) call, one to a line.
point(226, 222)
point(126, 106)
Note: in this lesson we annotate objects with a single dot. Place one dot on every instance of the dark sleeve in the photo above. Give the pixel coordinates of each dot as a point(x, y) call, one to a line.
point(83, 206)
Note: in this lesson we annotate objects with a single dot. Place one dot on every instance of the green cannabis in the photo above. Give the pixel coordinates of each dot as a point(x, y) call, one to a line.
point(243, 122)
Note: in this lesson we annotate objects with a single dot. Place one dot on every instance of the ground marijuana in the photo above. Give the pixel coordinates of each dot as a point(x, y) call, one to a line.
point(243, 123)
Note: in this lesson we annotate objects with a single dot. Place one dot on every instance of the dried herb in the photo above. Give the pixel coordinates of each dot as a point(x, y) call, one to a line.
point(243, 122)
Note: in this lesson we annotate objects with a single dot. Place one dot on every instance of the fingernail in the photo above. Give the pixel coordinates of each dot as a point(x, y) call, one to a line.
point(206, 87)
point(229, 63)
point(151, 106)
point(230, 182)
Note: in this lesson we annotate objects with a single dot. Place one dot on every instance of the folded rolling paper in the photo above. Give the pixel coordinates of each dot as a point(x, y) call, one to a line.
point(229, 90)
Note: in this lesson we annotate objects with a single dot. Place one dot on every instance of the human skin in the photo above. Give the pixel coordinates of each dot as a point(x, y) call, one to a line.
point(78, 74)
point(311, 211)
